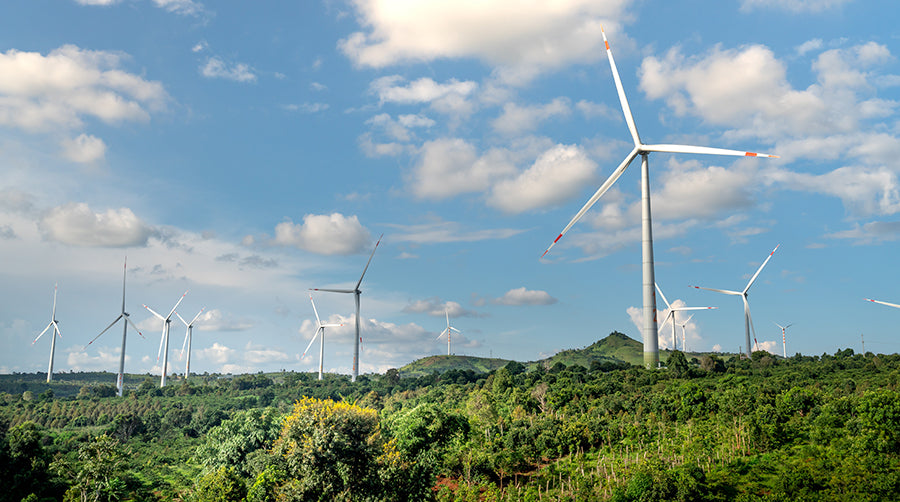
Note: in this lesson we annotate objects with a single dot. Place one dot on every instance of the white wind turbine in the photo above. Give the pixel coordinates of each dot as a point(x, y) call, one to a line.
point(447, 331)
point(55, 325)
point(671, 313)
point(356, 292)
point(164, 340)
point(321, 328)
point(188, 335)
point(783, 338)
point(684, 332)
point(651, 344)
point(748, 321)
point(120, 379)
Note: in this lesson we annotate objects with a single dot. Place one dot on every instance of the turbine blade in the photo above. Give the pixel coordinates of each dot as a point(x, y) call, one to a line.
point(331, 325)
point(884, 303)
point(187, 333)
point(196, 316)
point(176, 305)
point(320, 328)
point(629, 119)
point(370, 261)
point(725, 291)
point(666, 320)
point(124, 272)
point(42, 333)
point(133, 325)
point(752, 279)
point(154, 313)
point(687, 321)
point(662, 295)
point(704, 150)
point(161, 339)
point(599, 193)
point(679, 309)
point(182, 318)
point(318, 322)
point(442, 334)
point(56, 329)
point(334, 290)
point(55, 288)
point(750, 319)
point(454, 329)
point(107, 328)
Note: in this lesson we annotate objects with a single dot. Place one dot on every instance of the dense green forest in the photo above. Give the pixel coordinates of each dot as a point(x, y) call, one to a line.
point(705, 427)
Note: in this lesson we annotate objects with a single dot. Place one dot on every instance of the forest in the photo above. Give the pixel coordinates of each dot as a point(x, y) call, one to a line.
point(704, 427)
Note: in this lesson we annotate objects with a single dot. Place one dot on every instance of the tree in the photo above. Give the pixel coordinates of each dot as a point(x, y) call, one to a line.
point(228, 444)
point(219, 485)
point(98, 474)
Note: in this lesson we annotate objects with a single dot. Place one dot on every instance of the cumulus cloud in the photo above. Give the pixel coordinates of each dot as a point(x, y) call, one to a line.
point(873, 232)
point(216, 67)
point(516, 119)
point(437, 308)
point(449, 167)
point(215, 320)
point(324, 234)
point(256, 354)
point(522, 296)
point(84, 149)
point(523, 37)
point(39, 93)
point(555, 176)
point(452, 97)
point(78, 225)
point(218, 353)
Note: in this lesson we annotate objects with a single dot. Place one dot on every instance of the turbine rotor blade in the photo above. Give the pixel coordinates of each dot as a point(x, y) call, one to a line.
point(334, 290)
point(629, 119)
point(187, 333)
point(196, 316)
point(182, 318)
point(752, 279)
point(704, 150)
point(599, 193)
point(319, 322)
point(750, 319)
point(133, 325)
point(442, 334)
point(662, 295)
point(725, 291)
point(176, 305)
point(884, 303)
point(154, 313)
point(454, 329)
point(42, 333)
point(107, 328)
point(368, 262)
point(679, 309)
point(320, 328)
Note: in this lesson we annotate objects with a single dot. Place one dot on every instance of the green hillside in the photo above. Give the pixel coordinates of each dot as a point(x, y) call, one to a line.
point(443, 364)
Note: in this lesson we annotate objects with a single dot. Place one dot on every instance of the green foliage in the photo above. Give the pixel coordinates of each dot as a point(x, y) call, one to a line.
point(228, 444)
point(219, 485)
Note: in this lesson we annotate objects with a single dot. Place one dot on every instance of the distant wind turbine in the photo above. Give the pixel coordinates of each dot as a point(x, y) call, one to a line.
point(651, 343)
point(188, 335)
point(320, 328)
point(672, 312)
point(748, 321)
point(55, 325)
point(684, 332)
point(356, 292)
point(164, 340)
point(783, 338)
point(447, 331)
point(120, 379)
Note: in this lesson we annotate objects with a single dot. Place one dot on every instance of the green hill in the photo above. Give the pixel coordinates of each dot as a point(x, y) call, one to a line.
point(442, 364)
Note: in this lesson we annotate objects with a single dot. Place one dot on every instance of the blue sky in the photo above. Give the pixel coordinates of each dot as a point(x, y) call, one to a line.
point(248, 151)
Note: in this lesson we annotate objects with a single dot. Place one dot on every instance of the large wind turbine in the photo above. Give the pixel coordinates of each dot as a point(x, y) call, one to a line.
point(188, 334)
point(120, 379)
point(356, 292)
point(651, 344)
point(321, 328)
point(783, 338)
point(164, 340)
point(672, 312)
point(55, 325)
point(447, 331)
point(748, 321)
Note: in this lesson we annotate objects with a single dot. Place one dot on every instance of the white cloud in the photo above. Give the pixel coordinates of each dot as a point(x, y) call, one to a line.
point(864, 191)
point(555, 176)
point(307, 107)
point(84, 149)
point(255, 354)
point(770, 346)
point(873, 232)
point(39, 93)
point(217, 68)
point(809, 46)
point(690, 190)
point(522, 296)
point(183, 7)
point(447, 231)
point(324, 234)
point(97, 2)
point(451, 97)
point(437, 308)
point(215, 320)
point(77, 224)
point(521, 37)
point(795, 6)
point(449, 167)
point(517, 119)
point(218, 353)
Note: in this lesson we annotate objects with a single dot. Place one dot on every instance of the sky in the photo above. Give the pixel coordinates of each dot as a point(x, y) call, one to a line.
point(246, 152)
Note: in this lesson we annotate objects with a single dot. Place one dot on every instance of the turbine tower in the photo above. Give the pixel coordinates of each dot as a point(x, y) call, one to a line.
point(164, 340)
point(783, 338)
point(321, 328)
point(748, 321)
point(672, 312)
point(189, 331)
point(356, 292)
point(447, 331)
point(120, 379)
point(55, 324)
point(651, 343)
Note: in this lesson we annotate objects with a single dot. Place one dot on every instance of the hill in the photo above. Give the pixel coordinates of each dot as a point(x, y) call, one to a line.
point(443, 364)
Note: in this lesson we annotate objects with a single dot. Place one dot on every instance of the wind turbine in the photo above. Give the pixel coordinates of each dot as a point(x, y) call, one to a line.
point(321, 328)
point(447, 330)
point(356, 292)
point(164, 340)
point(684, 332)
point(55, 324)
point(672, 312)
point(748, 321)
point(651, 344)
point(783, 338)
point(120, 379)
point(187, 340)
